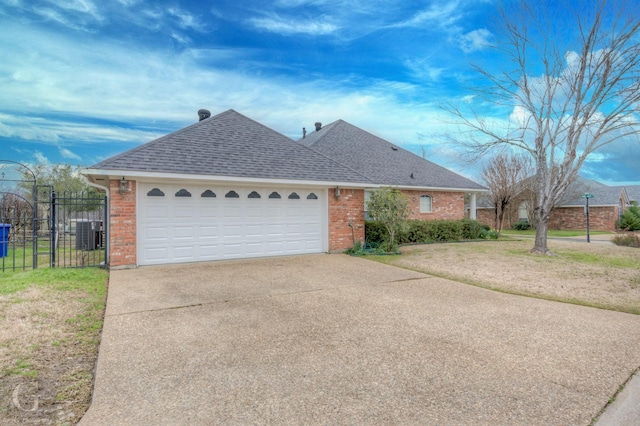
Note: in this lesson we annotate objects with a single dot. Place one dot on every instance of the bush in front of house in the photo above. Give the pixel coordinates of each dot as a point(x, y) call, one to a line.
point(521, 225)
point(428, 231)
point(630, 219)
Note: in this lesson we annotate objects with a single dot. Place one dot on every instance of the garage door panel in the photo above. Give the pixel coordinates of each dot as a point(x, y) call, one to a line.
point(185, 252)
point(209, 232)
point(209, 212)
point(183, 212)
point(276, 230)
point(183, 232)
point(157, 254)
point(185, 229)
point(153, 233)
point(156, 212)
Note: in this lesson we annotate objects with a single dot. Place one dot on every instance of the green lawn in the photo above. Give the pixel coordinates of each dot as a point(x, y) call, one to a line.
point(19, 258)
point(51, 319)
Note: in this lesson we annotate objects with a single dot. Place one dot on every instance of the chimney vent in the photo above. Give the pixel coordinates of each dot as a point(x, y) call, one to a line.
point(318, 126)
point(204, 114)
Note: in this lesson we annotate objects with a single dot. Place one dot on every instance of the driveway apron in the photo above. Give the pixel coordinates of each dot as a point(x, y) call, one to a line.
point(333, 339)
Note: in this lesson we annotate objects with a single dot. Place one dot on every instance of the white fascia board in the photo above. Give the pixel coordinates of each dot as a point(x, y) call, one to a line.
point(429, 188)
point(155, 176)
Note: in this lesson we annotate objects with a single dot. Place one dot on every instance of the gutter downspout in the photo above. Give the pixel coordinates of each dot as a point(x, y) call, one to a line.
point(107, 228)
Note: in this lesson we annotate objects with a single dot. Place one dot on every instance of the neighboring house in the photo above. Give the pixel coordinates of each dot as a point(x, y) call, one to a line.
point(633, 191)
point(605, 208)
point(228, 187)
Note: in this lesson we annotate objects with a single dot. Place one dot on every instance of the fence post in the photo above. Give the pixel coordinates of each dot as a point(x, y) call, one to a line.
point(52, 241)
point(105, 236)
point(34, 228)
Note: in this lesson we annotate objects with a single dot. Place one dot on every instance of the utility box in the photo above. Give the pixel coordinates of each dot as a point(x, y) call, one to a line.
point(87, 235)
point(5, 228)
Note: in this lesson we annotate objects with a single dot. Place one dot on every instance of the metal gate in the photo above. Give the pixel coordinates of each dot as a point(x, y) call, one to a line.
point(39, 228)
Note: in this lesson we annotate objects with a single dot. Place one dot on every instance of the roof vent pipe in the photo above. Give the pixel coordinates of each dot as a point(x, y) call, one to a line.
point(304, 132)
point(204, 114)
point(318, 126)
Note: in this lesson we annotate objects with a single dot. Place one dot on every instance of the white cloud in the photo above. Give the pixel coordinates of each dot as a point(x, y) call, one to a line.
point(440, 14)
point(276, 24)
point(475, 40)
point(65, 153)
point(40, 158)
point(185, 19)
point(423, 69)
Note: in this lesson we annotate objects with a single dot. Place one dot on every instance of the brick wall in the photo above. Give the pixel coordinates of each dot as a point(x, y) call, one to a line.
point(600, 218)
point(348, 208)
point(488, 217)
point(122, 211)
point(444, 205)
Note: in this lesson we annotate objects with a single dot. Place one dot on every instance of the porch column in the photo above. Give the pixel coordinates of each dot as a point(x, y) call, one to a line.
point(472, 207)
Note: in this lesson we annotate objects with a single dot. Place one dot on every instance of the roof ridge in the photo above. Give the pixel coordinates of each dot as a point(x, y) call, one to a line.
point(148, 145)
point(336, 125)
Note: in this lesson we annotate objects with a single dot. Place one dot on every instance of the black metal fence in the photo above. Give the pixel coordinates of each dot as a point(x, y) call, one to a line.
point(64, 230)
point(80, 225)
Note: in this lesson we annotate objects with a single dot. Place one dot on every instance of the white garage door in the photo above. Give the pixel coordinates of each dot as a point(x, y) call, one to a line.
point(190, 223)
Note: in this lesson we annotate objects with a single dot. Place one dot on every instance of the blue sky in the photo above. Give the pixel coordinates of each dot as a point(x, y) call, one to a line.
point(82, 80)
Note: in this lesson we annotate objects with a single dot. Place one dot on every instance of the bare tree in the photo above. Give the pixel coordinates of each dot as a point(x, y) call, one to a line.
point(16, 211)
point(574, 86)
point(503, 175)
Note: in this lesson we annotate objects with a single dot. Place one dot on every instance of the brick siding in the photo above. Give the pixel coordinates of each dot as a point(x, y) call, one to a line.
point(444, 205)
point(488, 217)
point(348, 208)
point(600, 218)
point(122, 234)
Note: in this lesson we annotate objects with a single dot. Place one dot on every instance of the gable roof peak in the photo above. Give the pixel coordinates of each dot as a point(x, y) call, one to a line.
point(380, 160)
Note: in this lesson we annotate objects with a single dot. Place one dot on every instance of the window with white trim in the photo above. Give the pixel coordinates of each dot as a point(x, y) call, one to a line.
point(426, 204)
point(367, 197)
point(523, 212)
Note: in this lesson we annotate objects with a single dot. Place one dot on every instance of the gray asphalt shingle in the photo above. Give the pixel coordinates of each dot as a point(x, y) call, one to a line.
point(230, 144)
point(604, 195)
point(381, 161)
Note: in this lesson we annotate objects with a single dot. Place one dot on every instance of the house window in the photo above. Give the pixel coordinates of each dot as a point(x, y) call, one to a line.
point(231, 194)
point(523, 212)
point(367, 197)
point(274, 195)
point(208, 194)
point(294, 196)
point(155, 192)
point(426, 204)
point(183, 193)
point(254, 194)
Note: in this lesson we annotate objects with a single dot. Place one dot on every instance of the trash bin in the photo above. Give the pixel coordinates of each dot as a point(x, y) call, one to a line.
point(4, 239)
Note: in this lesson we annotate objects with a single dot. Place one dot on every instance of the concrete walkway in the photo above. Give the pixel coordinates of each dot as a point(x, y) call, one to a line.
point(332, 339)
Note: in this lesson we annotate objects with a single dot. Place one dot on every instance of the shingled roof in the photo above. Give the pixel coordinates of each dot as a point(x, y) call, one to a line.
point(604, 195)
point(230, 144)
point(634, 192)
point(381, 161)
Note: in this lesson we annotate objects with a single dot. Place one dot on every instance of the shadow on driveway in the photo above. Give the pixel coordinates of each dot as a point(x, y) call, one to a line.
point(335, 339)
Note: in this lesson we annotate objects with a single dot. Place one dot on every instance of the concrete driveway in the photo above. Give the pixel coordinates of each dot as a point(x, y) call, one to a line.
point(332, 339)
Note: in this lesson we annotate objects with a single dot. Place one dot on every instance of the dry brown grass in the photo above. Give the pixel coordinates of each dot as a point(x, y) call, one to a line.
point(48, 349)
point(596, 274)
